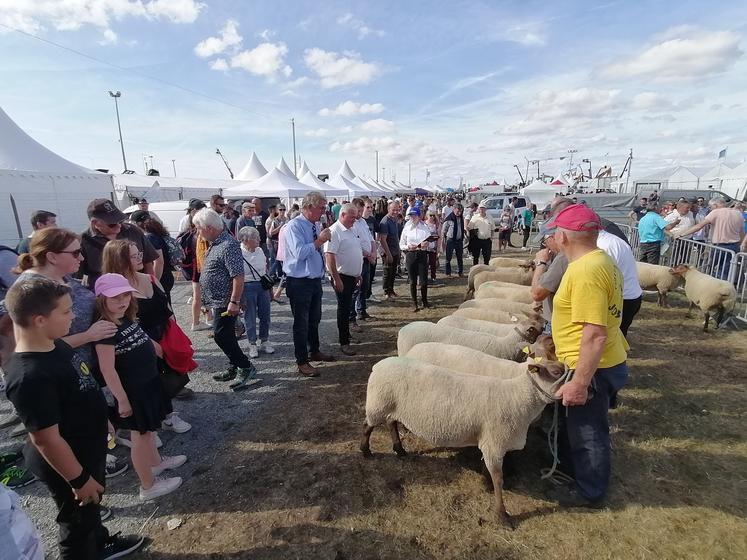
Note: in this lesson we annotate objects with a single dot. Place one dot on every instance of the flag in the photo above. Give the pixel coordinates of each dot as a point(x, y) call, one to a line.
point(722, 154)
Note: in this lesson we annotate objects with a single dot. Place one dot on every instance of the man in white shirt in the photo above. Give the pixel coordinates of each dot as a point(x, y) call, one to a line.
point(684, 215)
point(447, 209)
point(344, 258)
point(359, 308)
point(622, 254)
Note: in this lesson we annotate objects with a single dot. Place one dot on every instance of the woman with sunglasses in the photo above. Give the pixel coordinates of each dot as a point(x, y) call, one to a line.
point(276, 221)
point(55, 253)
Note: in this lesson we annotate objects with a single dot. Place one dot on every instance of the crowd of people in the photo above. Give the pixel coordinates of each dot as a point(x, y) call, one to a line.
point(98, 354)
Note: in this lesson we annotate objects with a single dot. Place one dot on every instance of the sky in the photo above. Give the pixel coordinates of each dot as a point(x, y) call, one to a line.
point(459, 90)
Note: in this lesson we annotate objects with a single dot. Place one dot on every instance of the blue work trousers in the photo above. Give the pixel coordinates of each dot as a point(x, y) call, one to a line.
point(305, 297)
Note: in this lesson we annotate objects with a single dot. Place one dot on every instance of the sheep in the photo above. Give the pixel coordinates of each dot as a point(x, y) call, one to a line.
point(508, 262)
point(660, 278)
point(707, 292)
point(474, 271)
point(499, 330)
point(520, 276)
point(459, 410)
point(522, 294)
point(494, 315)
point(509, 347)
point(500, 304)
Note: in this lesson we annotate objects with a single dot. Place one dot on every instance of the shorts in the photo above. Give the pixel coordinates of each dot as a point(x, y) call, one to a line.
point(504, 235)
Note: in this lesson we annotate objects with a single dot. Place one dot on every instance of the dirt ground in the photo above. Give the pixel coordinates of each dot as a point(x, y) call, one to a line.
point(292, 483)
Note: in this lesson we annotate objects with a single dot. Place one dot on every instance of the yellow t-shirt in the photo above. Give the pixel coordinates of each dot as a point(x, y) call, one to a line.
point(485, 226)
point(590, 292)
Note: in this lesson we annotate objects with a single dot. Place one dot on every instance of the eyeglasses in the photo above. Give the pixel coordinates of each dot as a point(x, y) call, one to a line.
point(281, 209)
point(75, 254)
point(137, 256)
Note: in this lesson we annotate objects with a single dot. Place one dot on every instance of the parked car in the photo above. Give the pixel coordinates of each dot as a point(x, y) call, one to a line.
point(495, 204)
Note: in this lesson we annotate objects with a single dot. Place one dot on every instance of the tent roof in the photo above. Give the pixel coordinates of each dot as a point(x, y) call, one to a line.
point(20, 152)
point(345, 171)
point(275, 183)
point(252, 170)
point(283, 167)
point(720, 170)
point(313, 181)
point(738, 172)
point(304, 169)
point(353, 189)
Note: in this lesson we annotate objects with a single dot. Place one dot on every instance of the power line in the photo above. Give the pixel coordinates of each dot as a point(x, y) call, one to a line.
point(133, 71)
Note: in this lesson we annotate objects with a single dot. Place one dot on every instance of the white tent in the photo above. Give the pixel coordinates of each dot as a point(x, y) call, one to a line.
point(159, 189)
point(386, 189)
point(345, 171)
point(253, 170)
point(283, 167)
point(304, 169)
point(734, 183)
point(274, 184)
point(330, 190)
point(679, 177)
point(353, 189)
point(35, 178)
point(372, 191)
point(540, 193)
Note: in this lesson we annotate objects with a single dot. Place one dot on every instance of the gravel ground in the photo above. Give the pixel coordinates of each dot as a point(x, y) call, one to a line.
point(213, 412)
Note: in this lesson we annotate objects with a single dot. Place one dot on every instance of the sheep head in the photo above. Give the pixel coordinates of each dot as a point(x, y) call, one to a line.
point(545, 375)
point(680, 270)
point(543, 347)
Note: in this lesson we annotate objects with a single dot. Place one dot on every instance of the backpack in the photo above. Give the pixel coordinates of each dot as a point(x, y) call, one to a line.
point(8, 261)
point(186, 243)
point(176, 252)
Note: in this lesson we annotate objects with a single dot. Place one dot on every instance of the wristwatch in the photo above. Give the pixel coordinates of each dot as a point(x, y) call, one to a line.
point(234, 302)
point(538, 263)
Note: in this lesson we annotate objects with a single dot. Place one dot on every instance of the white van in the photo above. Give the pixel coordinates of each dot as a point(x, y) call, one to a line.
point(496, 203)
point(169, 213)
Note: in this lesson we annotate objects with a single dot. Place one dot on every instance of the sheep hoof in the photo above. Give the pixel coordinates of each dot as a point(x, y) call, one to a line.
point(400, 451)
point(506, 521)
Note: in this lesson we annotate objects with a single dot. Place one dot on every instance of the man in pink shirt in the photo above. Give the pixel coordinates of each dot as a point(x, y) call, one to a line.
point(727, 230)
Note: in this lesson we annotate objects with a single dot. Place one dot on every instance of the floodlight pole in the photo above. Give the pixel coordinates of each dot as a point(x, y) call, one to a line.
point(173, 164)
point(117, 95)
point(293, 128)
point(377, 166)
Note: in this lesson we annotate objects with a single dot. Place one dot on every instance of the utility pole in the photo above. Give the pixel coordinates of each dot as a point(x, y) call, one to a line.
point(377, 166)
point(383, 173)
point(409, 174)
point(293, 127)
point(173, 164)
point(217, 151)
point(117, 95)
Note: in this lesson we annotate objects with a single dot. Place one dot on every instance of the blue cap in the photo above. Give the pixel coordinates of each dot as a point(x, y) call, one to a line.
point(414, 210)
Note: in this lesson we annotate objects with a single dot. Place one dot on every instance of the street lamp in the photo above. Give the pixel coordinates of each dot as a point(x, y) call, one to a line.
point(117, 95)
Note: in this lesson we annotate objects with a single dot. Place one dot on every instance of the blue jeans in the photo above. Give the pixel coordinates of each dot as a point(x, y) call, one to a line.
point(256, 303)
point(454, 246)
point(359, 294)
point(585, 434)
point(725, 259)
point(305, 297)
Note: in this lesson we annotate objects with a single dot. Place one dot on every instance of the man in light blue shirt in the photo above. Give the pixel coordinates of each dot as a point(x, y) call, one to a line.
point(304, 268)
point(651, 231)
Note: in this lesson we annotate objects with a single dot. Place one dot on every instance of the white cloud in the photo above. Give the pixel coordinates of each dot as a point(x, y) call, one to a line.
point(684, 57)
point(108, 37)
point(219, 64)
point(650, 100)
point(267, 34)
point(349, 20)
point(527, 34)
point(346, 129)
point(318, 133)
point(351, 108)
point(33, 15)
point(266, 59)
point(340, 69)
point(378, 126)
point(227, 37)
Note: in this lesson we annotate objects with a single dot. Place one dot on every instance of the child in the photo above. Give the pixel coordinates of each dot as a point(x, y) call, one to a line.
point(128, 364)
point(433, 226)
point(65, 414)
point(504, 226)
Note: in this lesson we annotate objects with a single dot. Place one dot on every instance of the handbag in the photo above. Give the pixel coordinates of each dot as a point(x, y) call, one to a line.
point(172, 381)
point(265, 280)
point(177, 349)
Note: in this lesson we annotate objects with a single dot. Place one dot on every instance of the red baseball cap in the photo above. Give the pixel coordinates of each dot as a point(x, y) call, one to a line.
point(576, 217)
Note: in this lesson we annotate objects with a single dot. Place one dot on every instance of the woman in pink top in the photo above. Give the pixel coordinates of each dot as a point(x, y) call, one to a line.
point(279, 258)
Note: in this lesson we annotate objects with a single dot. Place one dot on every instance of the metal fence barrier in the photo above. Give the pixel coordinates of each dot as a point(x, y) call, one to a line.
point(740, 282)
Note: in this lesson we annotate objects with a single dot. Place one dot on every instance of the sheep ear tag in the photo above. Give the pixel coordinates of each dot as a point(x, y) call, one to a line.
point(525, 350)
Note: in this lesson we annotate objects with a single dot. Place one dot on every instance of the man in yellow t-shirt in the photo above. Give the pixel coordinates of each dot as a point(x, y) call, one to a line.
point(586, 317)
point(481, 228)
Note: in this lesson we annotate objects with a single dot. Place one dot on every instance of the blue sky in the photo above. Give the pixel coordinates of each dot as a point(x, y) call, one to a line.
point(464, 89)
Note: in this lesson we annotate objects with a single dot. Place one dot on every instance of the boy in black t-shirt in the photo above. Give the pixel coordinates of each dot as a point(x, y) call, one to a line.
point(65, 413)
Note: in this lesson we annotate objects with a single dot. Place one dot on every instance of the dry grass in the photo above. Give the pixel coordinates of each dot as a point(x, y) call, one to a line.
point(293, 485)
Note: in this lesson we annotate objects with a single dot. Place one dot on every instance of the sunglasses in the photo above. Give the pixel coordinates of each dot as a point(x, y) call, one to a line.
point(75, 254)
point(281, 209)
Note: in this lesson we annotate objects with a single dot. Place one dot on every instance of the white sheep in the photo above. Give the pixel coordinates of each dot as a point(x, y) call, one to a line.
point(518, 276)
point(494, 315)
point(659, 278)
point(522, 294)
point(508, 262)
point(451, 409)
point(707, 292)
point(474, 271)
point(499, 330)
point(501, 304)
point(509, 347)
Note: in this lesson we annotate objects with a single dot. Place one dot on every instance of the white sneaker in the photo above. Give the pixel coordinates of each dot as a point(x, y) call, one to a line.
point(161, 487)
point(174, 423)
point(266, 348)
point(201, 327)
point(169, 463)
point(253, 352)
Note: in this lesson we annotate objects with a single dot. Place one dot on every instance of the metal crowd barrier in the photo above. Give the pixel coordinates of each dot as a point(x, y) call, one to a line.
point(740, 283)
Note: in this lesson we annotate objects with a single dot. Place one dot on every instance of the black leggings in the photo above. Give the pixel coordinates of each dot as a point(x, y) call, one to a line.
point(417, 269)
